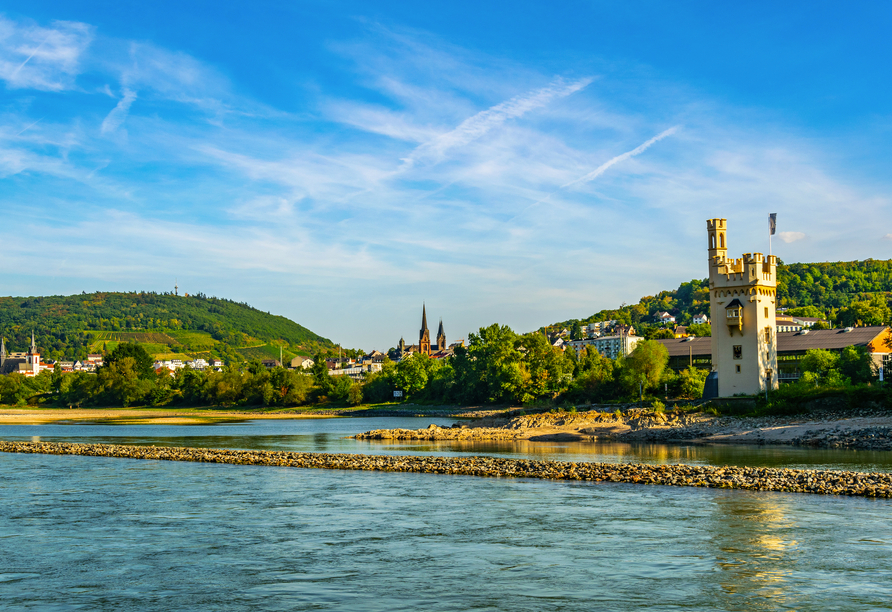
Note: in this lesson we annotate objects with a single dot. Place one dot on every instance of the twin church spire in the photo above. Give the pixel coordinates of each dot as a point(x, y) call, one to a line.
point(424, 338)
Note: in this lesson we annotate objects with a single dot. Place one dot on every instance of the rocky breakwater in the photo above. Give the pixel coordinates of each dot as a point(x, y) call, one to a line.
point(754, 479)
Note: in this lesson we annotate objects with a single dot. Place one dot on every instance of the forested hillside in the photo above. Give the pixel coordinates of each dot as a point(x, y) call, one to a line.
point(844, 292)
point(69, 327)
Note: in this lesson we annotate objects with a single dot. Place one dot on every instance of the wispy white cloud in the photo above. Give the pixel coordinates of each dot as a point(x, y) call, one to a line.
point(483, 122)
point(118, 114)
point(243, 200)
point(789, 237)
point(43, 58)
point(622, 157)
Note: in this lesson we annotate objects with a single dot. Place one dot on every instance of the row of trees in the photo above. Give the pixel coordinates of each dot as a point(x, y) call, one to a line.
point(497, 366)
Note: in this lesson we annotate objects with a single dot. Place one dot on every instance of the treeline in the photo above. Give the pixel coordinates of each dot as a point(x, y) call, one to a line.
point(62, 323)
point(497, 366)
point(845, 293)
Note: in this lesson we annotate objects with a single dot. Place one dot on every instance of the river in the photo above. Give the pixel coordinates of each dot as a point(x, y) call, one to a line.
point(110, 534)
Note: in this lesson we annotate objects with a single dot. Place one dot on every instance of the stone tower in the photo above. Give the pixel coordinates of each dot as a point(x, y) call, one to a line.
point(742, 296)
point(424, 336)
point(2, 354)
point(441, 338)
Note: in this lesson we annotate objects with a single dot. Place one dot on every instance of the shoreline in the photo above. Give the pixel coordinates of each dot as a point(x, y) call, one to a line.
point(11, 415)
point(864, 430)
point(820, 482)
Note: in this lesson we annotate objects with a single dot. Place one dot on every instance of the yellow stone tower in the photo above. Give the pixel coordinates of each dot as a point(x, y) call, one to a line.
point(742, 296)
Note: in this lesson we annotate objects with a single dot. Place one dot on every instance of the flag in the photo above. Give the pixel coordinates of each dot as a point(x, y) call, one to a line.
point(772, 223)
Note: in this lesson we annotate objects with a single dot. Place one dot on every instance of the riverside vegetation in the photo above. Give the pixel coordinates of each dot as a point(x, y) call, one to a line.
point(498, 366)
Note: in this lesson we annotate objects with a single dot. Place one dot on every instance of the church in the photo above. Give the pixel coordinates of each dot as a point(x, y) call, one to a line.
point(424, 340)
point(27, 364)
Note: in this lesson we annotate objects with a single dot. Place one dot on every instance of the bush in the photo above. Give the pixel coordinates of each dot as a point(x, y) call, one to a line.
point(658, 407)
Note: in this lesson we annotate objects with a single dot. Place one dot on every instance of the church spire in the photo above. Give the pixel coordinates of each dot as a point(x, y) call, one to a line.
point(2, 352)
point(441, 338)
point(424, 336)
point(33, 344)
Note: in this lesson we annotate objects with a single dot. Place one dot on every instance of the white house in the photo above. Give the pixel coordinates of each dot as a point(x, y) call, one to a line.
point(700, 319)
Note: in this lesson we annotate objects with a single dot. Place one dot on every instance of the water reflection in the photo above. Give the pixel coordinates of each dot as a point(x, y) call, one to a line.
point(755, 549)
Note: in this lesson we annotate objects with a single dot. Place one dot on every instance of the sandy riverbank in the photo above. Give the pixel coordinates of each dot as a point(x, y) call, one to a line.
point(868, 430)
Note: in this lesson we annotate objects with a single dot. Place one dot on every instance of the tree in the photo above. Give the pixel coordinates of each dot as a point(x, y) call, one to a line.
point(856, 364)
point(868, 312)
point(647, 362)
point(576, 331)
point(544, 370)
point(412, 374)
point(660, 334)
point(691, 382)
point(701, 330)
point(819, 362)
point(320, 374)
point(805, 311)
point(488, 370)
point(142, 362)
point(120, 382)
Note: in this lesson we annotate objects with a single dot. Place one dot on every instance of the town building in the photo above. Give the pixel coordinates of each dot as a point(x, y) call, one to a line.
point(609, 346)
point(26, 364)
point(699, 319)
point(742, 308)
point(300, 362)
point(664, 317)
point(786, 323)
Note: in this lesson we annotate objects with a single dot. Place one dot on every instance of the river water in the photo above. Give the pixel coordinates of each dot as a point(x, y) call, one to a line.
point(111, 534)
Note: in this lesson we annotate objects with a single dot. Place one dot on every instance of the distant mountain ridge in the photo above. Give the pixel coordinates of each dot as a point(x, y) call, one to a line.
point(70, 327)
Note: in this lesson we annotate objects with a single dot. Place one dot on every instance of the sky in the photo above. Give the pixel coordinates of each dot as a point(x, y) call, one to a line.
point(342, 163)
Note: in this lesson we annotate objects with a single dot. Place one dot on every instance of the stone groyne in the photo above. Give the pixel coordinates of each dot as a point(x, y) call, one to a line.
point(728, 477)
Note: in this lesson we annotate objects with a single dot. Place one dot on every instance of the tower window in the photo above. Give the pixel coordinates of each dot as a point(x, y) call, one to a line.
point(738, 353)
point(738, 368)
point(766, 312)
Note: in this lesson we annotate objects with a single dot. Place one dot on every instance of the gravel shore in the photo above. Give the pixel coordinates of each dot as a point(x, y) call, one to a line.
point(822, 482)
point(854, 429)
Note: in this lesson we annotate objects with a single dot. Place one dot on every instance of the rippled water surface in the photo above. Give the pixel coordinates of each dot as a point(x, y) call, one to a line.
point(111, 534)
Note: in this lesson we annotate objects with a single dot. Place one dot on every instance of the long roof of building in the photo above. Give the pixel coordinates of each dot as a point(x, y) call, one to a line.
point(787, 342)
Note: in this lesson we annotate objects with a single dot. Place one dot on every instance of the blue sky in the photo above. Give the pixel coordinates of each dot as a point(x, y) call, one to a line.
point(339, 163)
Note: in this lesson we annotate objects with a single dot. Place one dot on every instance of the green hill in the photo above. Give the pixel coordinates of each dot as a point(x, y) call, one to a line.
point(846, 292)
point(70, 327)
